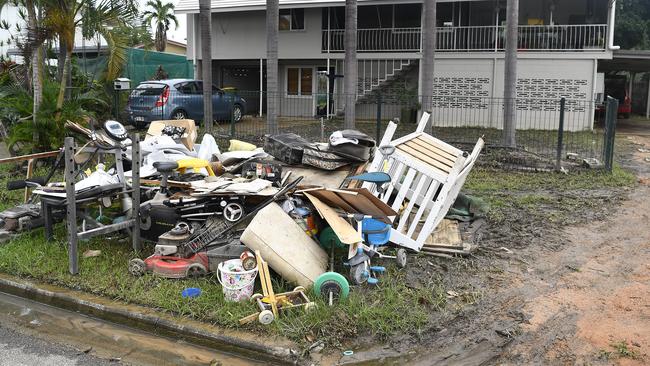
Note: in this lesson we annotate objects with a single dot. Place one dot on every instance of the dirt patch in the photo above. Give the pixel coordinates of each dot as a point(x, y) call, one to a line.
point(574, 287)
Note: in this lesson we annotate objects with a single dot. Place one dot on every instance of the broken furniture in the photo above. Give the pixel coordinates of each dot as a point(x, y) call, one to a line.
point(426, 176)
point(269, 303)
point(73, 200)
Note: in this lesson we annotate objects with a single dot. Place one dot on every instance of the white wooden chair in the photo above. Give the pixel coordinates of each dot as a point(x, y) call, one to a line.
point(427, 175)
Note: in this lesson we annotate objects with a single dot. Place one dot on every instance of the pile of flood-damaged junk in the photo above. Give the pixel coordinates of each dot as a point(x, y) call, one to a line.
point(320, 215)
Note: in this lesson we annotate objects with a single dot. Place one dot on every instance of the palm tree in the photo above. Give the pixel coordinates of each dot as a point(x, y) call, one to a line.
point(510, 75)
point(162, 15)
point(63, 17)
point(351, 67)
point(428, 53)
point(205, 18)
point(272, 93)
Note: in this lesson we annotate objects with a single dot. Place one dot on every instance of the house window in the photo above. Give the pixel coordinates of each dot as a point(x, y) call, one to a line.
point(299, 80)
point(292, 19)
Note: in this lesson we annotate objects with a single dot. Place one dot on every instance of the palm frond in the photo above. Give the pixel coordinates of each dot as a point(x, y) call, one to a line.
point(116, 54)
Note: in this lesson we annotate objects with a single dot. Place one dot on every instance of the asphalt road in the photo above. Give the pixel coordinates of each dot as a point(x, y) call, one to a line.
point(18, 348)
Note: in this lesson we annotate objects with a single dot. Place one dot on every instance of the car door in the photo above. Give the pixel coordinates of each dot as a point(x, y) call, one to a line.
point(220, 104)
point(195, 100)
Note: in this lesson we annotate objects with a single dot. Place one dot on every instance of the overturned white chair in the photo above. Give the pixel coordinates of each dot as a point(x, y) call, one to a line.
point(427, 175)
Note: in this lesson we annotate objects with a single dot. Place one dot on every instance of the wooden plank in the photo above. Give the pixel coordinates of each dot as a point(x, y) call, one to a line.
point(447, 233)
point(14, 159)
point(420, 166)
point(405, 186)
point(423, 144)
point(433, 188)
point(434, 164)
point(423, 122)
point(409, 208)
point(395, 173)
point(30, 173)
point(441, 145)
point(442, 157)
point(346, 233)
point(465, 251)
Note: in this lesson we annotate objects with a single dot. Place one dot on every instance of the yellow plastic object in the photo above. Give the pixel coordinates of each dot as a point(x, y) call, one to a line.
point(194, 163)
point(236, 145)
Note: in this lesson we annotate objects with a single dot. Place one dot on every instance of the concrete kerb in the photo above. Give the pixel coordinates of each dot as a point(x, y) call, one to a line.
point(159, 324)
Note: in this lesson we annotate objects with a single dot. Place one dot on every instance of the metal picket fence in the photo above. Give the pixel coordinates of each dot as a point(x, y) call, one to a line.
point(549, 132)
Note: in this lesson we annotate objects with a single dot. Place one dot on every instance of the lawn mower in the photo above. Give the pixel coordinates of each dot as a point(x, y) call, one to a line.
point(186, 252)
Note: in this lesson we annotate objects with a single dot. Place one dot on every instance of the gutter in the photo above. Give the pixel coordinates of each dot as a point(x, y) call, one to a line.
point(611, 24)
point(150, 321)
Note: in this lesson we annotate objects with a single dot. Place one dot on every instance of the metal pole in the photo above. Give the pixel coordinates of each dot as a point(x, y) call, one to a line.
point(261, 86)
point(135, 186)
point(647, 110)
point(378, 129)
point(610, 131)
point(232, 116)
point(560, 136)
point(71, 206)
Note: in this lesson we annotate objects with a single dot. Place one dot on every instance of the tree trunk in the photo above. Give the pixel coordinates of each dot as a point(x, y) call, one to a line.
point(510, 77)
point(60, 61)
point(161, 38)
point(428, 54)
point(36, 60)
point(351, 68)
point(64, 77)
point(205, 18)
point(272, 92)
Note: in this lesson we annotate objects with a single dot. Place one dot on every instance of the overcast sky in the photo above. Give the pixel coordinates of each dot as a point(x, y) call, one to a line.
point(10, 15)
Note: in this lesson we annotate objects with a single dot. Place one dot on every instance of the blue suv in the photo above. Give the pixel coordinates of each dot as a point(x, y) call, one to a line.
point(180, 99)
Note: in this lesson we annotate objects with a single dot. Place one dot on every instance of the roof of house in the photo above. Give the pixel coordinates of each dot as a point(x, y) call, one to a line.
point(222, 6)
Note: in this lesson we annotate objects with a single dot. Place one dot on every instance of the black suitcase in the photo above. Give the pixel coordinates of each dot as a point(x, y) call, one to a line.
point(286, 147)
point(360, 152)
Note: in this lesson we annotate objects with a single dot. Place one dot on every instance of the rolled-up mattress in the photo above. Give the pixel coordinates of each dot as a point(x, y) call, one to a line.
point(285, 246)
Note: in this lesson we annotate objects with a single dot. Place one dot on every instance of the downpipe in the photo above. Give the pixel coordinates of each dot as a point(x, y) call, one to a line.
point(611, 25)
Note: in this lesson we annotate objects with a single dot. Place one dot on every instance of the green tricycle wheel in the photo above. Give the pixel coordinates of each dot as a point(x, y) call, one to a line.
point(332, 282)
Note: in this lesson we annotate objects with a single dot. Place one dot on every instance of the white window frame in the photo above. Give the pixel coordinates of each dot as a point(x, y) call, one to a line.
point(286, 81)
point(304, 23)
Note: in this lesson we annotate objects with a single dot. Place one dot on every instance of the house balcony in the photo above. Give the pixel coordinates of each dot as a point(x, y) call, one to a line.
point(532, 38)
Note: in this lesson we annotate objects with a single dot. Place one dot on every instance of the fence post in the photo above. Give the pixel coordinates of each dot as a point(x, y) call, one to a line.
point(611, 113)
point(560, 136)
point(378, 126)
point(71, 207)
point(232, 116)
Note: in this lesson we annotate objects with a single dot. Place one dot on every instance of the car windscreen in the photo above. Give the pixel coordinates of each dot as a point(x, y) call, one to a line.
point(148, 89)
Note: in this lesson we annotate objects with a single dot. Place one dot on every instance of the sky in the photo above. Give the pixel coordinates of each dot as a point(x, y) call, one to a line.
point(10, 15)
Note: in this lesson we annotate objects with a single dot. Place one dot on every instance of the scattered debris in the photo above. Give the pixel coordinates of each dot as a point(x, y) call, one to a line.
point(452, 294)
point(592, 163)
point(91, 253)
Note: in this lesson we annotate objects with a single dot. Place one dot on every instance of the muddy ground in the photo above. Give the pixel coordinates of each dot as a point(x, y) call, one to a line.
point(539, 292)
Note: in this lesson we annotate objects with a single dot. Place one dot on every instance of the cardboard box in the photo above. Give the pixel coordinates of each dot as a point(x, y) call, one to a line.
point(188, 138)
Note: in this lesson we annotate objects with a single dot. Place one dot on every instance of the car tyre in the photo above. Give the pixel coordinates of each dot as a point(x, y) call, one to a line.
point(237, 113)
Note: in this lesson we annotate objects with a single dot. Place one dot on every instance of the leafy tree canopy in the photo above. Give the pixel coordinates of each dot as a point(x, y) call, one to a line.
point(633, 24)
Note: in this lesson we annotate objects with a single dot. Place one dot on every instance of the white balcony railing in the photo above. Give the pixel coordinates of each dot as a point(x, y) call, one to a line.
point(473, 39)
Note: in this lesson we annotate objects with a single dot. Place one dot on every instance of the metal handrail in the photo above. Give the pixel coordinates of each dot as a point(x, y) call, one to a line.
point(548, 38)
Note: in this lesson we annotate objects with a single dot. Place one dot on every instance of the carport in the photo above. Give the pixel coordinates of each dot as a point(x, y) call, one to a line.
point(633, 62)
